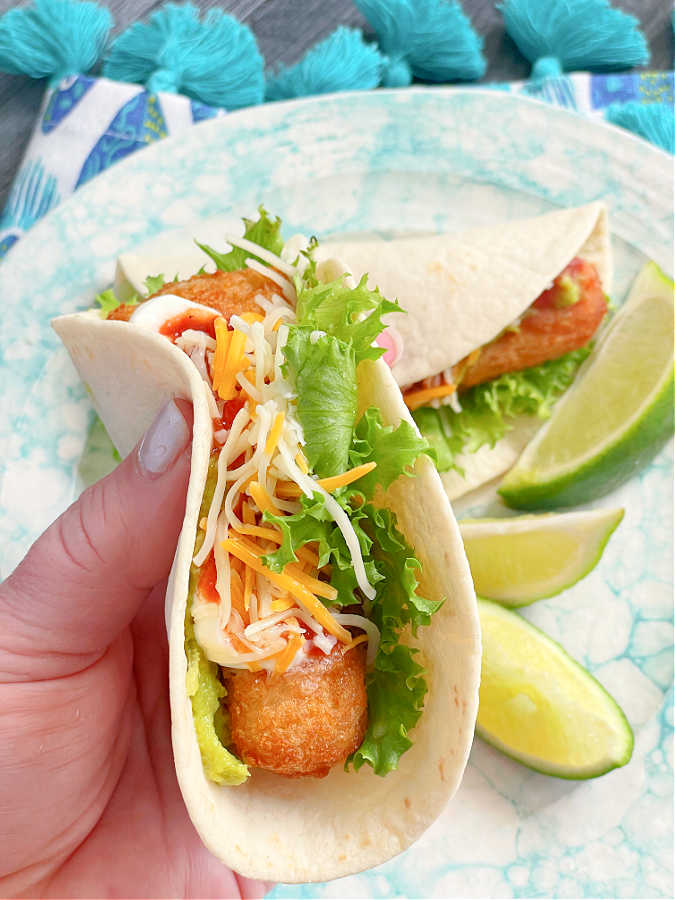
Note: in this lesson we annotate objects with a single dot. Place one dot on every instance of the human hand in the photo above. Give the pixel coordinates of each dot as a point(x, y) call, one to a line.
point(89, 802)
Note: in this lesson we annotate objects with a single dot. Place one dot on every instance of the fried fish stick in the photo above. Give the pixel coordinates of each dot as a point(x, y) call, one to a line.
point(231, 293)
point(562, 319)
point(304, 721)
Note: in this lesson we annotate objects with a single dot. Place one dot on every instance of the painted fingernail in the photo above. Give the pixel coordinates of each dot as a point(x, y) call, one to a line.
point(164, 441)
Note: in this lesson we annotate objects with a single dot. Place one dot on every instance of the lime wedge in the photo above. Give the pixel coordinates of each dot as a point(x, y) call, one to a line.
point(541, 707)
point(519, 560)
point(615, 416)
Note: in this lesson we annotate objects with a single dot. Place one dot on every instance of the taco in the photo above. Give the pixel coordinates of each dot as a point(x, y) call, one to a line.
point(323, 635)
point(498, 322)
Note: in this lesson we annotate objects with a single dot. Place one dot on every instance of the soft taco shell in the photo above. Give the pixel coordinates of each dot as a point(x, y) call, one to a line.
point(460, 291)
point(302, 829)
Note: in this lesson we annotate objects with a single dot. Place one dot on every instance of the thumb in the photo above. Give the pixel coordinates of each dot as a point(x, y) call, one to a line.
point(83, 580)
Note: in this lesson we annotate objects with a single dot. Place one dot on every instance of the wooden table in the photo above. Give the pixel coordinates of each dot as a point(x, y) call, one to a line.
point(285, 29)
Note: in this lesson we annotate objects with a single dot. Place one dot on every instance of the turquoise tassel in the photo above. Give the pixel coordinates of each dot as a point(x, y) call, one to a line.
point(53, 38)
point(653, 121)
point(567, 35)
point(342, 62)
point(216, 61)
point(429, 39)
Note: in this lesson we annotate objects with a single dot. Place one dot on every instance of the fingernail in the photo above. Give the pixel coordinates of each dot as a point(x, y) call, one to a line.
point(164, 441)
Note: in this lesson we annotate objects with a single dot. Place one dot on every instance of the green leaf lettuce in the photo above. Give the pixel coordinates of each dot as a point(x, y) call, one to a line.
point(264, 231)
point(489, 410)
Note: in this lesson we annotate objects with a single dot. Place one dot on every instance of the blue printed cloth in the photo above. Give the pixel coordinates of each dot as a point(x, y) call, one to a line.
point(86, 124)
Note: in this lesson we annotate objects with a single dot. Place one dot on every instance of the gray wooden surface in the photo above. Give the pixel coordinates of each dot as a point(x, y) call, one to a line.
point(285, 29)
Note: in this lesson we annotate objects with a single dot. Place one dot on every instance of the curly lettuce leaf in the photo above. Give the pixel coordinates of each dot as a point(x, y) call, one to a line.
point(353, 315)
point(108, 301)
point(396, 691)
point(264, 231)
point(153, 283)
point(393, 449)
point(396, 686)
point(313, 524)
point(489, 410)
point(323, 370)
point(397, 603)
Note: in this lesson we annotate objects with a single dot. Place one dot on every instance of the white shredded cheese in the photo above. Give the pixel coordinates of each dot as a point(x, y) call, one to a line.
point(309, 486)
point(222, 559)
point(286, 287)
point(370, 628)
point(266, 255)
point(238, 425)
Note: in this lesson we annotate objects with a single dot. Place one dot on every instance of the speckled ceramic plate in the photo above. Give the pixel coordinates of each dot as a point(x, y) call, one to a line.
point(392, 162)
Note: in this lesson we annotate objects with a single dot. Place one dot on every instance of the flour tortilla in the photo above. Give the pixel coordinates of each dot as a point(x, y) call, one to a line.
point(459, 291)
point(298, 830)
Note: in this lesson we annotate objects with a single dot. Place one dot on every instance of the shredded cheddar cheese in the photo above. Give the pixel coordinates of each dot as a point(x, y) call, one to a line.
point(251, 617)
point(288, 489)
point(275, 434)
point(251, 317)
point(248, 587)
point(282, 603)
point(296, 589)
point(223, 336)
point(234, 363)
point(301, 462)
point(273, 534)
point(320, 588)
point(262, 499)
point(361, 639)
point(287, 655)
point(415, 399)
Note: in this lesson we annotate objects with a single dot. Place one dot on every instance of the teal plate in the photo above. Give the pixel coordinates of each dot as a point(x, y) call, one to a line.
point(396, 162)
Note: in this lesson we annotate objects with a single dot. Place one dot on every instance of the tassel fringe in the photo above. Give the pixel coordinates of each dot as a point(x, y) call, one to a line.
point(432, 40)
point(653, 121)
point(567, 35)
point(342, 62)
point(53, 38)
point(216, 61)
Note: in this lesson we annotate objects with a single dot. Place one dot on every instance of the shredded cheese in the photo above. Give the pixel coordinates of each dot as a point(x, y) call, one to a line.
point(301, 593)
point(415, 399)
point(286, 657)
point(259, 619)
point(266, 255)
point(370, 628)
point(340, 517)
point(262, 499)
point(275, 434)
point(236, 361)
point(301, 462)
point(289, 489)
point(238, 425)
point(223, 337)
point(273, 534)
point(320, 588)
point(361, 639)
point(282, 604)
point(287, 288)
